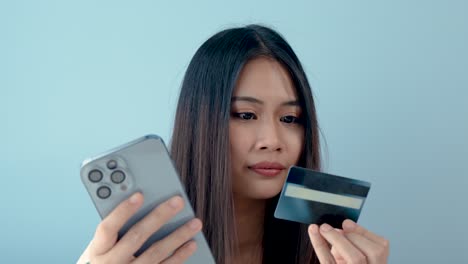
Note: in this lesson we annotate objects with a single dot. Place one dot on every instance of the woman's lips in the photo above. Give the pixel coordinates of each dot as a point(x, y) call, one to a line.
point(266, 168)
point(267, 172)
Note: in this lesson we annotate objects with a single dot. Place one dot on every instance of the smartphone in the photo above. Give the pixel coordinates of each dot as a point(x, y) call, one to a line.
point(142, 165)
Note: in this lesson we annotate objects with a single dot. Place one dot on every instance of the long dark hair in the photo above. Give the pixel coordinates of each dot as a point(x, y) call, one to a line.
point(200, 140)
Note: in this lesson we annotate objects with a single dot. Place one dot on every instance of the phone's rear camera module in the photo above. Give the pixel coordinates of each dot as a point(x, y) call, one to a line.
point(95, 175)
point(111, 164)
point(118, 176)
point(103, 192)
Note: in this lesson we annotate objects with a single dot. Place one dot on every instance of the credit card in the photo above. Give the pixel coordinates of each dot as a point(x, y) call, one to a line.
point(313, 197)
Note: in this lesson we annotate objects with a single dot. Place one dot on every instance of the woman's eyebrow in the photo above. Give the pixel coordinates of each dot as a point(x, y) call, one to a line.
point(292, 103)
point(257, 101)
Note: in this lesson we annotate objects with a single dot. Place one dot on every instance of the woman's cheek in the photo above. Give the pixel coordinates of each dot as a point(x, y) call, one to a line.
point(297, 144)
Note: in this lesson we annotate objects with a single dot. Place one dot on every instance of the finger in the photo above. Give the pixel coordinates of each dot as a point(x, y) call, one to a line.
point(320, 245)
point(182, 254)
point(375, 253)
point(107, 231)
point(338, 258)
point(165, 247)
point(351, 226)
point(343, 246)
point(339, 231)
point(142, 230)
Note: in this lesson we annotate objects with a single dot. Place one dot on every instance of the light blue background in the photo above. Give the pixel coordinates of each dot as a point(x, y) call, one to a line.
point(390, 80)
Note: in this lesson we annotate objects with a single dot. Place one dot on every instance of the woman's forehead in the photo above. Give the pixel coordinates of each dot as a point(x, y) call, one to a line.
point(265, 78)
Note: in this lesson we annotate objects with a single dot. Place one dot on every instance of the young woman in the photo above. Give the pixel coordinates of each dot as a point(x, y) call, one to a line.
point(245, 114)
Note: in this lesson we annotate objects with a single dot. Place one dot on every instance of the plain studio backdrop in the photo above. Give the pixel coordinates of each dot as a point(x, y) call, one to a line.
point(389, 77)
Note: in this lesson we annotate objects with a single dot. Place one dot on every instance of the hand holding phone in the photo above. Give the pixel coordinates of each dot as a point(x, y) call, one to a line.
point(146, 214)
point(104, 248)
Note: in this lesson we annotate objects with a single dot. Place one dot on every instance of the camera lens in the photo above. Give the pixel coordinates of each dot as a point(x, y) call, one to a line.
point(117, 176)
point(95, 176)
point(111, 164)
point(103, 192)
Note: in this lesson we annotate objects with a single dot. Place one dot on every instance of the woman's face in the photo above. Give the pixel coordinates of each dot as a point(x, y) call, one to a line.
point(266, 135)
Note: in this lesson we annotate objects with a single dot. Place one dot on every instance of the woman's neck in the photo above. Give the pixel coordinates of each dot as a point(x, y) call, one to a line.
point(250, 215)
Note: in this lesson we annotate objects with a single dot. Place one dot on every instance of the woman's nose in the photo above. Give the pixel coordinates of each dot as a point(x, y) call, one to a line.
point(268, 137)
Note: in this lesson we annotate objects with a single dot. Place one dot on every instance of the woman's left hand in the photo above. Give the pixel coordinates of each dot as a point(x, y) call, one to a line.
point(353, 244)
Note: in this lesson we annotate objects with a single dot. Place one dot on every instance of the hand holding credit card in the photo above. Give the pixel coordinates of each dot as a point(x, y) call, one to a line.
point(313, 197)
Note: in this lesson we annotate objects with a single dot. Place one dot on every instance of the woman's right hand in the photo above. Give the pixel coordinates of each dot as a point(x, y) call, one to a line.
point(104, 247)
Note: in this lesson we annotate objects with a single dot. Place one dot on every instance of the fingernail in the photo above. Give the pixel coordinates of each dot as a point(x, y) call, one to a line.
point(194, 224)
point(313, 229)
point(134, 198)
point(349, 225)
point(175, 202)
point(326, 227)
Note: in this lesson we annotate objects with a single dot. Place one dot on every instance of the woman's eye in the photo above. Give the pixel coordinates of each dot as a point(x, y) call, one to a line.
point(245, 116)
point(290, 119)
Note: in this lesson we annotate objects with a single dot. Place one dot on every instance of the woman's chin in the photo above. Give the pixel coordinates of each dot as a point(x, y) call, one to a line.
point(265, 192)
point(258, 189)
